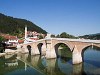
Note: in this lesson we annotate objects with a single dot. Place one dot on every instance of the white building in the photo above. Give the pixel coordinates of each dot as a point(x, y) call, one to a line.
point(29, 37)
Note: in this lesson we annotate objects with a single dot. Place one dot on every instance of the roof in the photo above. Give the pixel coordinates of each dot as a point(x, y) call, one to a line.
point(20, 41)
point(10, 37)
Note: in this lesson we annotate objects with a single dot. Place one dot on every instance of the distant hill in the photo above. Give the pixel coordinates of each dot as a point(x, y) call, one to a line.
point(15, 26)
point(91, 36)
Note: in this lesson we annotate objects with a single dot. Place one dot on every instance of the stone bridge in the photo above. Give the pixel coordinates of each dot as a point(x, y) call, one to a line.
point(49, 47)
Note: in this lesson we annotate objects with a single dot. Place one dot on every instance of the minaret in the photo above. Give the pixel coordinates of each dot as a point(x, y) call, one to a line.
point(25, 32)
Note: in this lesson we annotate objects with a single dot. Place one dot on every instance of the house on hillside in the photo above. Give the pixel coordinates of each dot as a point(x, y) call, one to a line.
point(31, 36)
point(10, 40)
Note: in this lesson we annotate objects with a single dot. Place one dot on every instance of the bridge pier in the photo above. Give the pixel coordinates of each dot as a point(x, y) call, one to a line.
point(76, 56)
point(43, 50)
point(50, 54)
point(24, 50)
point(35, 51)
point(50, 51)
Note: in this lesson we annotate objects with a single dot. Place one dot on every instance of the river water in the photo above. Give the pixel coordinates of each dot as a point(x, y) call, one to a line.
point(24, 64)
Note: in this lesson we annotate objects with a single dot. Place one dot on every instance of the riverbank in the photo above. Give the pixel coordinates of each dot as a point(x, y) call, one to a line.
point(2, 54)
point(9, 51)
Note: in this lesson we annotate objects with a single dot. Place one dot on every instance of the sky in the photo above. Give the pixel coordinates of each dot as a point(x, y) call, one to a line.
point(76, 17)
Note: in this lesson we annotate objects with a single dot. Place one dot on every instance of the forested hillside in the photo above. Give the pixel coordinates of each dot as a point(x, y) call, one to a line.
point(91, 36)
point(15, 26)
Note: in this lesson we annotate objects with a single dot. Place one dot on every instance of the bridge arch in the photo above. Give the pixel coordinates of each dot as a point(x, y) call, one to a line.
point(40, 47)
point(65, 43)
point(85, 47)
point(56, 47)
point(29, 49)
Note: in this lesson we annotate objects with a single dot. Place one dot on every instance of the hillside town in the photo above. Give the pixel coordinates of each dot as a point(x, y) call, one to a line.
point(29, 36)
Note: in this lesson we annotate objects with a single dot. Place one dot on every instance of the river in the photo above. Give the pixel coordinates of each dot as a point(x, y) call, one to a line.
point(24, 64)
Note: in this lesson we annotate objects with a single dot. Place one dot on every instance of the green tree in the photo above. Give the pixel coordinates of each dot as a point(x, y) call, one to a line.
point(40, 37)
point(2, 39)
point(64, 35)
point(53, 36)
point(58, 36)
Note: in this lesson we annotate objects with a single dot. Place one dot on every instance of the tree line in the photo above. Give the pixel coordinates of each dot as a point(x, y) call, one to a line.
point(63, 35)
point(91, 36)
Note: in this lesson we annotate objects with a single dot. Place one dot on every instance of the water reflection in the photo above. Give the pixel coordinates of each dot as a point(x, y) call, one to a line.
point(78, 69)
point(38, 65)
point(7, 64)
point(63, 65)
point(52, 66)
point(58, 66)
point(91, 60)
point(10, 65)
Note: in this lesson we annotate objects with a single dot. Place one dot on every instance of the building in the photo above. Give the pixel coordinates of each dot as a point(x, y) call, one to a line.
point(10, 40)
point(31, 36)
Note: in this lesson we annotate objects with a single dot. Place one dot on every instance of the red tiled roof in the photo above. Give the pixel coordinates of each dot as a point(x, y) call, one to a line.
point(6, 36)
point(34, 38)
point(20, 41)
